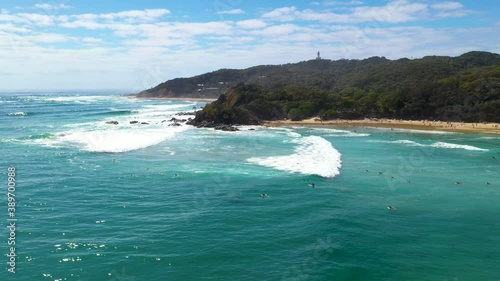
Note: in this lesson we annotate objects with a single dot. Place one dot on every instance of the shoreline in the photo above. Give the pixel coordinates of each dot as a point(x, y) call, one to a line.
point(175, 99)
point(457, 127)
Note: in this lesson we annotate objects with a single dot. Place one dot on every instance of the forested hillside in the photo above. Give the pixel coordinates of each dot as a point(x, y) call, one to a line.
point(463, 88)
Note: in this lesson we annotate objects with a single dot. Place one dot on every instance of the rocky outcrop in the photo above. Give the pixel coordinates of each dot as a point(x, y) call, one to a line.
point(237, 108)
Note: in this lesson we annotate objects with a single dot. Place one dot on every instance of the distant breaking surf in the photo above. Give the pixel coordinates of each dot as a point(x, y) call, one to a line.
point(438, 145)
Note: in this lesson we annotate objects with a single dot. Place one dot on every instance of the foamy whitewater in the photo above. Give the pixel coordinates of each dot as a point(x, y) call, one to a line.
point(110, 188)
point(313, 156)
point(438, 145)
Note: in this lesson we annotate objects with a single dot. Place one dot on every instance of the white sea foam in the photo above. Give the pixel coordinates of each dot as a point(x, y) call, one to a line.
point(18, 114)
point(100, 137)
point(430, 132)
point(460, 146)
point(82, 99)
point(313, 156)
point(348, 134)
point(259, 131)
point(117, 140)
point(328, 130)
point(151, 111)
point(249, 127)
point(168, 107)
point(409, 142)
point(437, 145)
point(294, 134)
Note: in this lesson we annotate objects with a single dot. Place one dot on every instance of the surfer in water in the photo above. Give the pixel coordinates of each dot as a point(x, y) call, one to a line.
point(312, 185)
point(392, 208)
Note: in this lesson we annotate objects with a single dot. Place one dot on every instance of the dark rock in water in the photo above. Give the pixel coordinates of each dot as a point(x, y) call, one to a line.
point(112, 122)
point(164, 121)
point(144, 123)
point(185, 113)
point(134, 122)
point(202, 124)
point(227, 128)
point(174, 125)
point(177, 120)
point(251, 129)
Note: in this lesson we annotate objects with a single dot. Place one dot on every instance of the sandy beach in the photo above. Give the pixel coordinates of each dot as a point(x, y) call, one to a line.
point(484, 128)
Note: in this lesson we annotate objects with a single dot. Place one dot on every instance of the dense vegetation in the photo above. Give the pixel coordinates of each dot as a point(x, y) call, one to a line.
point(464, 88)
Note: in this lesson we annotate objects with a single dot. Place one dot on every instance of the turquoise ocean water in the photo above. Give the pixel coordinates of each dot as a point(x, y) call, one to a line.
point(156, 202)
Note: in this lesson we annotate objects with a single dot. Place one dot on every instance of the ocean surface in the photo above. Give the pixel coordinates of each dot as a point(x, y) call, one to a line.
point(106, 202)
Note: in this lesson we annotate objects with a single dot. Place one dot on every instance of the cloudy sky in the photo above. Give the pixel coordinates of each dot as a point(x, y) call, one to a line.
point(134, 45)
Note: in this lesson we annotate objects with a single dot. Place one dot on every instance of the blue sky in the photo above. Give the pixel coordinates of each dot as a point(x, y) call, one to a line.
point(134, 45)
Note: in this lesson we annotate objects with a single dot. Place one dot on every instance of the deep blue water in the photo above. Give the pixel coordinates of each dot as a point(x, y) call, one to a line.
point(155, 202)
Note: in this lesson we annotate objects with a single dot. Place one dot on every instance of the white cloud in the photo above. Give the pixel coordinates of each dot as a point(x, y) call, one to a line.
point(251, 24)
point(26, 18)
point(132, 16)
point(12, 28)
point(343, 3)
point(231, 12)
point(37, 19)
point(89, 24)
point(50, 38)
point(46, 6)
point(138, 15)
point(448, 6)
point(394, 12)
point(278, 30)
point(92, 40)
point(453, 14)
point(125, 44)
point(89, 21)
point(282, 14)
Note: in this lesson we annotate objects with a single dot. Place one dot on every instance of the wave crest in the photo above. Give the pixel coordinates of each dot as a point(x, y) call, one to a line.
point(18, 113)
point(438, 145)
point(314, 156)
point(452, 145)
